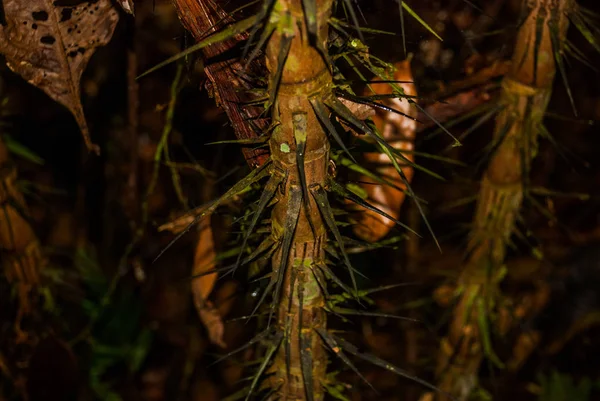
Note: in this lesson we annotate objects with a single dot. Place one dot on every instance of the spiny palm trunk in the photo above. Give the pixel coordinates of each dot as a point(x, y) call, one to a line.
point(301, 310)
point(299, 151)
point(526, 91)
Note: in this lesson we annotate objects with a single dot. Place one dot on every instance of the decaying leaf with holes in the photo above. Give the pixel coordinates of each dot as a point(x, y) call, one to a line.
point(49, 45)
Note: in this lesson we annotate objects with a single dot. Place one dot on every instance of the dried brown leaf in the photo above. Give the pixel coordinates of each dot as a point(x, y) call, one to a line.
point(400, 132)
point(127, 5)
point(361, 111)
point(49, 45)
point(204, 260)
point(211, 318)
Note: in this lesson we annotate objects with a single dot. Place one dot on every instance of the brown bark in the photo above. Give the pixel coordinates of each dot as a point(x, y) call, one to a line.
point(228, 89)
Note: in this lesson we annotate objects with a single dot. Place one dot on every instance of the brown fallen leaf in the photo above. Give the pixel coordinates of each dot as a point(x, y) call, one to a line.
point(212, 320)
point(204, 260)
point(127, 5)
point(50, 45)
point(400, 132)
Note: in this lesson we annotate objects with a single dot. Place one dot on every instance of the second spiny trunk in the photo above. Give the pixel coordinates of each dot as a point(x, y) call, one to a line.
point(526, 91)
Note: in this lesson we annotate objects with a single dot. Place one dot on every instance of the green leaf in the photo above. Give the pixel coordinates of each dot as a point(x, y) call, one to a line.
point(310, 16)
point(289, 228)
point(323, 117)
point(21, 151)
point(258, 338)
point(220, 36)
point(300, 126)
point(558, 58)
point(419, 19)
point(265, 198)
point(348, 7)
point(386, 365)
point(332, 276)
point(350, 196)
point(482, 320)
point(267, 358)
point(254, 176)
point(320, 197)
point(304, 339)
point(284, 51)
point(140, 350)
point(337, 350)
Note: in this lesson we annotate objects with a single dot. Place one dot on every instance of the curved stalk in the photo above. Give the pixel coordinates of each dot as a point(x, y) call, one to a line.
point(525, 94)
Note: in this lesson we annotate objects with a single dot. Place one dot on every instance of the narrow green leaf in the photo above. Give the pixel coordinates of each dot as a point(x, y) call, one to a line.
point(332, 276)
point(579, 55)
point(370, 101)
point(220, 36)
point(419, 19)
point(386, 365)
point(343, 112)
point(259, 337)
point(268, 244)
point(386, 287)
point(337, 350)
point(266, 34)
point(350, 9)
point(289, 228)
point(218, 270)
point(266, 292)
point(21, 151)
point(254, 176)
point(252, 141)
point(310, 15)
point(320, 197)
point(288, 344)
point(491, 148)
point(583, 28)
point(402, 32)
point(323, 117)
point(284, 50)
point(456, 141)
point(263, 14)
point(336, 392)
point(342, 161)
point(359, 201)
point(300, 126)
point(558, 58)
point(353, 312)
point(269, 355)
point(265, 197)
point(484, 329)
point(306, 362)
point(539, 32)
point(478, 123)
